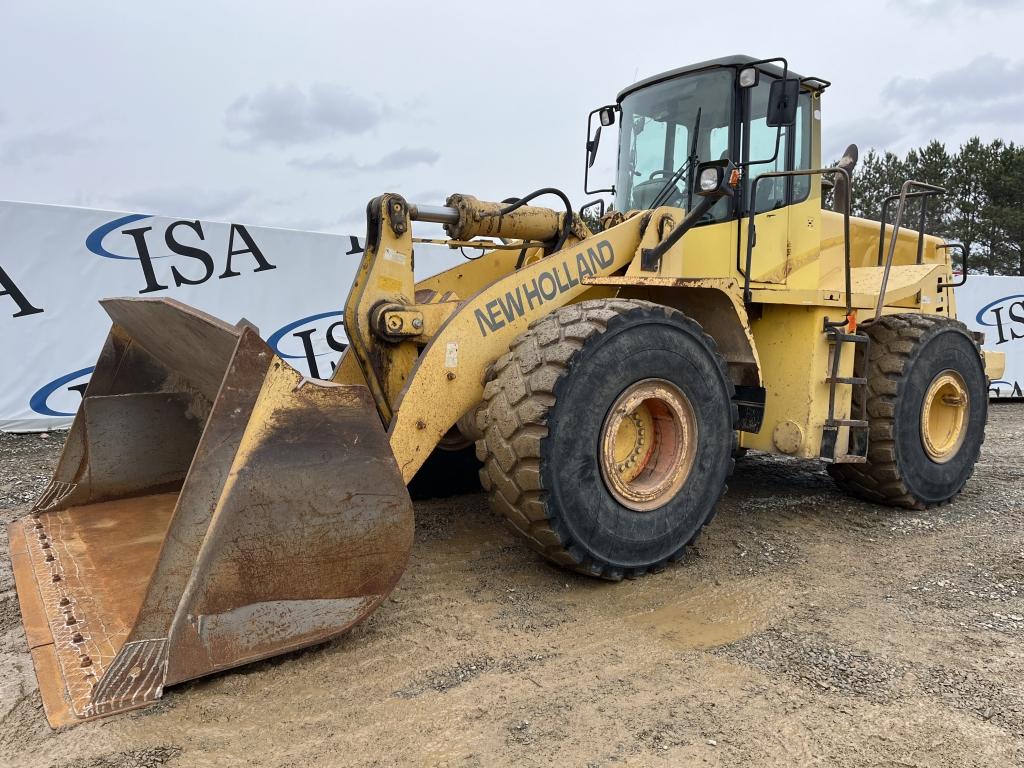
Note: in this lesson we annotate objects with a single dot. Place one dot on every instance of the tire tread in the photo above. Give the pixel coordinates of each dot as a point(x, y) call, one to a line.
point(513, 431)
point(895, 342)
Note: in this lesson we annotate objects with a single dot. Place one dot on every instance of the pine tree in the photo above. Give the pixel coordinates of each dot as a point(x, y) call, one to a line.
point(1005, 187)
point(970, 209)
point(932, 165)
point(982, 207)
point(875, 178)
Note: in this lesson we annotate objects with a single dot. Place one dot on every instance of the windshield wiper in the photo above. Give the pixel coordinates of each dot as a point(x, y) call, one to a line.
point(691, 160)
point(664, 192)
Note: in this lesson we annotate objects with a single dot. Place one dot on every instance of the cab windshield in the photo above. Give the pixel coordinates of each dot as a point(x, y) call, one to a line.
point(667, 130)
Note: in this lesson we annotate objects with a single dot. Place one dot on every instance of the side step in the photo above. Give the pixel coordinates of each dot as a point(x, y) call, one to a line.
point(857, 448)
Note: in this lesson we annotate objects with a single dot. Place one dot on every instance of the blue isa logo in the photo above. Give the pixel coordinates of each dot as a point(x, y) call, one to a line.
point(63, 395)
point(318, 340)
point(193, 259)
point(1006, 315)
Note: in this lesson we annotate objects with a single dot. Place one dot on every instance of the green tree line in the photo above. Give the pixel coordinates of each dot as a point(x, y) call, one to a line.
point(983, 207)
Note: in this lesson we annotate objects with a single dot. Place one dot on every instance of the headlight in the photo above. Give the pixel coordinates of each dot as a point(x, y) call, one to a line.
point(715, 179)
point(710, 179)
point(749, 77)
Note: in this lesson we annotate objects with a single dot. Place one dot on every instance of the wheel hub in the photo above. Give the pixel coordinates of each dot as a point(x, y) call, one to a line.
point(944, 416)
point(648, 444)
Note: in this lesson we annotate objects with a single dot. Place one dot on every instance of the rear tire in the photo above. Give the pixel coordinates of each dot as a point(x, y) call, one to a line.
point(583, 393)
point(923, 445)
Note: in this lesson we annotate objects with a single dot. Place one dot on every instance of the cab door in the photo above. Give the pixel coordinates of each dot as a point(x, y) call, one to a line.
point(765, 149)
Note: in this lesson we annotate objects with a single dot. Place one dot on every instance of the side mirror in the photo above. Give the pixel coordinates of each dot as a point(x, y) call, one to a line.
point(717, 178)
point(606, 117)
point(592, 146)
point(782, 101)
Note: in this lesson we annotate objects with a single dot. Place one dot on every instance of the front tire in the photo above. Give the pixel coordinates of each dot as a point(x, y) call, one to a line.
point(927, 403)
point(608, 435)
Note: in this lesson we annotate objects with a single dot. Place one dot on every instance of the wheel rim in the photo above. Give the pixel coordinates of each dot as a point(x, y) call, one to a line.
point(944, 416)
point(648, 444)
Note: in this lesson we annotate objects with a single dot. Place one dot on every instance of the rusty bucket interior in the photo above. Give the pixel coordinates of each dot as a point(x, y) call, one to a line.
point(211, 507)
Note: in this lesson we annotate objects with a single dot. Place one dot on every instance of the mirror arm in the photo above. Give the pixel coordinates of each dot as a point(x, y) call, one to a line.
point(775, 154)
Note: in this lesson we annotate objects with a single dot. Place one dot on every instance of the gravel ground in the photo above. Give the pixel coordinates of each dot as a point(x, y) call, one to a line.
point(805, 628)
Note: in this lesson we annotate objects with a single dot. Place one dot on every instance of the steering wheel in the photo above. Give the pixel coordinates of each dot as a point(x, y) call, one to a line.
point(675, 197)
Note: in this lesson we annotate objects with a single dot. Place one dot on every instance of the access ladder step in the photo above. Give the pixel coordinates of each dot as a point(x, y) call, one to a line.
point(852, 338)
point(856, 380)
point(853, 423)
point(849, 458)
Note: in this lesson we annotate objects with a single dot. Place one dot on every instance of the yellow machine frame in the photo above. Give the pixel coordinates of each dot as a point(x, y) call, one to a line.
point(467, 316)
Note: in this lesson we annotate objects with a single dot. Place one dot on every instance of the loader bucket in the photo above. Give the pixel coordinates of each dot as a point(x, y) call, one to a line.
point(211, 507)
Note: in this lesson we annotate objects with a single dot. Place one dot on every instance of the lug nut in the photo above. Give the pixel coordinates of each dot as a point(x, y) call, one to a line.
point(86, 661)
point(65, 601)
point(56, 577)
point(49, 557)
point(70, 620)
point(77, 638)
point(45, 545)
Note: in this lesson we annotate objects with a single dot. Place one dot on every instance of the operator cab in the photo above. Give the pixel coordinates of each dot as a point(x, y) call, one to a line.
point(755, 113)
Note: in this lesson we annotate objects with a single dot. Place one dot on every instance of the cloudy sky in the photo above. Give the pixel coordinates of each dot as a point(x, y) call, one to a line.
point(295, 114)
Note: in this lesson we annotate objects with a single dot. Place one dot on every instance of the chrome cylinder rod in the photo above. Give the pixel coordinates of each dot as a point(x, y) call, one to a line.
point(437, 214)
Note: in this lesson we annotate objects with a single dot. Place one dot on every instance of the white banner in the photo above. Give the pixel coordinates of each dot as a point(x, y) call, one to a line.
point(995, 305)
point(57, 262)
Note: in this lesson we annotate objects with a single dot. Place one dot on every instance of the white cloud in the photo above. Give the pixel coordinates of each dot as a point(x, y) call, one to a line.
point(187, 201)
point(983, 80)
point(284, 115)
point(399, 160)
point(927, 8)
point(42, 146)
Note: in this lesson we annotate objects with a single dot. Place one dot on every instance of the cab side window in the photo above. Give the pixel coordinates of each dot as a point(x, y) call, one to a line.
point(802, 148)
point(771, 193)
point(794, 151)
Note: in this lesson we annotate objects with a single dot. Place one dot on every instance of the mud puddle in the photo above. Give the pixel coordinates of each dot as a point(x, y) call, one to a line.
point(709, 616)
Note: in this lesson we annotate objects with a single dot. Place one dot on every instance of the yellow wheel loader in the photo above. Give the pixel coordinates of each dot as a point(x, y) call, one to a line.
point(212, 506)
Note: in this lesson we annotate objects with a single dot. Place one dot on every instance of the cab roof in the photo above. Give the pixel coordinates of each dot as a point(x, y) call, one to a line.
point(737, 61)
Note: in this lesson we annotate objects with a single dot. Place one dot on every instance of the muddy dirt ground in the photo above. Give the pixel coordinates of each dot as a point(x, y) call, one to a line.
point(804, 629)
